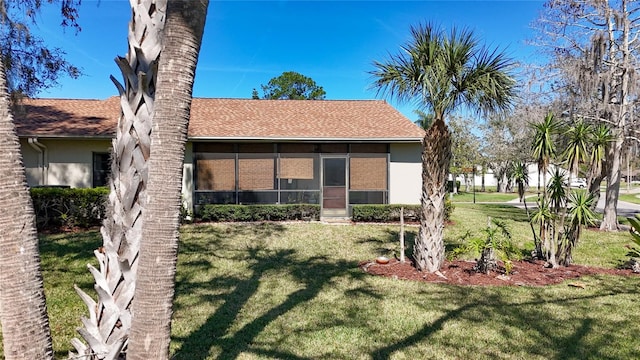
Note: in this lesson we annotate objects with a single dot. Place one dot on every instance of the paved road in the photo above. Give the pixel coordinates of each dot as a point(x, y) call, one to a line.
point(625, 209)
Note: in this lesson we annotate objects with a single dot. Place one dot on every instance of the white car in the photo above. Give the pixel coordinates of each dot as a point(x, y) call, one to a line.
point(580, 183)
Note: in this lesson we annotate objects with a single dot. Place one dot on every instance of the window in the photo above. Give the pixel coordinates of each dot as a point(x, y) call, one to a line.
point(101, 165)
point(288, 173)
point(368, 178)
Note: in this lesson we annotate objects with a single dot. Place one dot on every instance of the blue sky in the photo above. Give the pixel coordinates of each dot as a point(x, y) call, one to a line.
point(246, 43)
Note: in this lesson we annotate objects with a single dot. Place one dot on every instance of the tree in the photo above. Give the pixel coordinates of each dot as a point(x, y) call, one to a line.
point(151, 326)
point(106, 331)
point(292, 86)
point(29, 64)
point(465, 147)
point(23, 312)
point(593, 49)
point(443, 73)
point(424, 120)
point(504, 138)
point(600, 139)
point(543, 147)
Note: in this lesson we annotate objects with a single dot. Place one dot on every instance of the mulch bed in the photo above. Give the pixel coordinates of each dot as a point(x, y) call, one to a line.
point(524, 273)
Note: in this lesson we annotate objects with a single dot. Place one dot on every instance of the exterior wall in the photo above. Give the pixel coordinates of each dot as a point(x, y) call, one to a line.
point(70, 163)
point(405, 173)
point(187, 177)
point(490, 179)
point(65, 162)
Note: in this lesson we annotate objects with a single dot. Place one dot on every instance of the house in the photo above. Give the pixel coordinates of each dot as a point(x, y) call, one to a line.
point(330, 152)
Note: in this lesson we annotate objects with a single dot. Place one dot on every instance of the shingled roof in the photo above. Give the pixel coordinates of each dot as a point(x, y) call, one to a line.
point(216, 119)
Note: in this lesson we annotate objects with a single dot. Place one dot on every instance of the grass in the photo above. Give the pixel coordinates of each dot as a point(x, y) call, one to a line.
point(483, 197)
point(632, 198)
point(294, 291)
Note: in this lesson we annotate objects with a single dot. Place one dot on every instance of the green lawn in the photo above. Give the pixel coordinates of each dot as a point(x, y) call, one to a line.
point(484, 197)
point(632, 198)
point(295, 291)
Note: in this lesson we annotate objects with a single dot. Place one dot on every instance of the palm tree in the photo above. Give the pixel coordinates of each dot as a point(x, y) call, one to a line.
point(600, 138)
point(443, 73)
point(23, 311)
point(151, 327)
point(543, 149)
point(580, 213)
point(577, 138)
point(106, 331)
point(424, 120)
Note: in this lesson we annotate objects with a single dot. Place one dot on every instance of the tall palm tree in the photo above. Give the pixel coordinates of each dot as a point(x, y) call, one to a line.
point(543, 149)
point(23, 312)
point(576, 151)
point(106, 331)
point(151, 326)
point(442, 73)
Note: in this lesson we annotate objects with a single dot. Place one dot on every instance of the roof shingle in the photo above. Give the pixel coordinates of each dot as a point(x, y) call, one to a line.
point(229, 119)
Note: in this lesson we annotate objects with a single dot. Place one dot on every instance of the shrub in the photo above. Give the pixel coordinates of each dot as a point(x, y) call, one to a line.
point(634, 251)
point(448, 209)
point(384, 213)
point(492, 243)
point(58, 208)
point(391, 212)
point(211, 212)
point(449, 185)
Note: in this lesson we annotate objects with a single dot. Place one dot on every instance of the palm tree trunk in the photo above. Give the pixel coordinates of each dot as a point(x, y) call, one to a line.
point(151, 326)
point(536, 241)
point(23, 311)
point(106, 331)
point(429, 244)
point(542, 246)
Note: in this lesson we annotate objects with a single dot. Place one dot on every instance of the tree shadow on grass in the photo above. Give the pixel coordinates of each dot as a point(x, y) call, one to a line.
point(56, 251)
point(311, 276)
point(555, 335)
point(390, 244)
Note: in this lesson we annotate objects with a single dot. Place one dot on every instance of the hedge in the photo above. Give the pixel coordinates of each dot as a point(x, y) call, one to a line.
point(391, 213)
point(58, 208)
point(232, 213)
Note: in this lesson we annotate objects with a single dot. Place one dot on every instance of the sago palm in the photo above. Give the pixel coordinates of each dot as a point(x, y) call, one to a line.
point(441, 73)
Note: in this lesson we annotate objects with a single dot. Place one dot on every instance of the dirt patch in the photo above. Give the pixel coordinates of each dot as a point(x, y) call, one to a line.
point(524, 273)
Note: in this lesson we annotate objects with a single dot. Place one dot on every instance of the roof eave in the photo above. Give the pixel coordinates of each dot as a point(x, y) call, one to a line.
point(305, 139)
point(66, 137)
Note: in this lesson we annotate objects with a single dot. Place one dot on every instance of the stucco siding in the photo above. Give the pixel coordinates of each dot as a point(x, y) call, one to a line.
point(187, 177)
point(65, 162)
point(405, 169)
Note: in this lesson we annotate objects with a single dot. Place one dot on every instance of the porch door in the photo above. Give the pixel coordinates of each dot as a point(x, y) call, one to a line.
point(334, 186)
